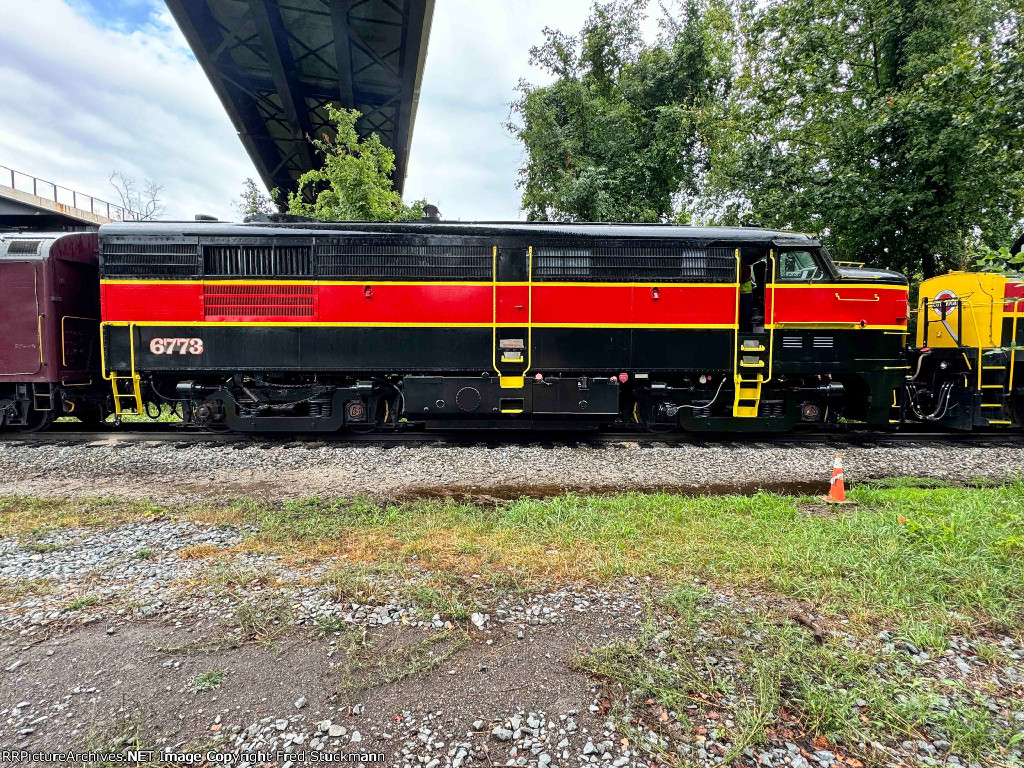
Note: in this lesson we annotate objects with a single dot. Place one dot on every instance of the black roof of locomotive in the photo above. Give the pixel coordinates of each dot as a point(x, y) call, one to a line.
point(548, 230)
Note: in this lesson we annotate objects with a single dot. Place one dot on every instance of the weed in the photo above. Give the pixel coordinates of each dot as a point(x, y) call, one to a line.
point(230, 576)
point(780, 677)
point(329, 625)
point(82, 602)
point(684, 598)
point(367, 666)
point(351, 585)
point(926, 635)
point(447, 603)
point(264, 617)
point(200, 552)
point(144, 554)
point(13, 590)
point(29, 514)
point(990, 653)
point(206, 681)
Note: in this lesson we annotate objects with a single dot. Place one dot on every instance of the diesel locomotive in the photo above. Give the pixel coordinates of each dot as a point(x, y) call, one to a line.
point(284, 325)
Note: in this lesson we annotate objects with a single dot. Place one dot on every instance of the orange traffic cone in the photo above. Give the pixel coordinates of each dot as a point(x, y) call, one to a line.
point(837, 490)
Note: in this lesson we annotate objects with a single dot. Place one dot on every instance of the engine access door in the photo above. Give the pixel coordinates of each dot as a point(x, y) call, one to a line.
point(512, 313)
point(19, 318)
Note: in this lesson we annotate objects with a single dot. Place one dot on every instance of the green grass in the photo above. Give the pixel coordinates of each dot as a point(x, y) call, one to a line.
point(778, 678)
point(945, 556)
point(80, 603)
point(206, 681)
point(923, 560)
point(33, 517)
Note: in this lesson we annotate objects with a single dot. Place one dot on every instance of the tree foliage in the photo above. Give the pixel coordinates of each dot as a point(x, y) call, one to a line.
point(355, 181)
point(252, 201)
point(894, 128)
point(616, 135)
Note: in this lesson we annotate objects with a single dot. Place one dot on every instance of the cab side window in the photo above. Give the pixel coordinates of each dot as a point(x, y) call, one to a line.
point(799, 266)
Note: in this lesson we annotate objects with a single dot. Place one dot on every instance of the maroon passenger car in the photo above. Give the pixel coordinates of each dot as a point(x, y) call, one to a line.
point(49, 329)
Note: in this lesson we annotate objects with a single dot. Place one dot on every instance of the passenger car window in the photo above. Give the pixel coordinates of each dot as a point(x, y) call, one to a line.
point(799, 265)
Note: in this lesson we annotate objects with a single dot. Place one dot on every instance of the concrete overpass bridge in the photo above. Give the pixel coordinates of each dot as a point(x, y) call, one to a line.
point(277, 64)
point(28, 202)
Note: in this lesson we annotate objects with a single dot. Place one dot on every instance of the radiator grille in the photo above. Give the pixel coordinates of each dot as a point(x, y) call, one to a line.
point(151, 258)
point(628, 264)
point(258, 260)
point(368, 259)
point(250, 302)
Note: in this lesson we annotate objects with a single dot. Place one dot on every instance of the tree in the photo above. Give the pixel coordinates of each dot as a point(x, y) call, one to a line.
point(355, 182)
point(618, 134)
point(252, 201)
point(893, 127)
point(142, 203)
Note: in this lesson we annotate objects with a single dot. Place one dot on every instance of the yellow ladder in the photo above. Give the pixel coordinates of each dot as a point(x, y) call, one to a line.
point(993, 384)
point(749, 358)
point(748, 397)
point(134, 394)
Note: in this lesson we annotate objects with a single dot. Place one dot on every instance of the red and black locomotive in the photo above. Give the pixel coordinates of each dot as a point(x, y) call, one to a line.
point(284, 325)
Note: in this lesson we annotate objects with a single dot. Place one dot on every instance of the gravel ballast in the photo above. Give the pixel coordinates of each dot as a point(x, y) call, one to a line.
point(165, 472)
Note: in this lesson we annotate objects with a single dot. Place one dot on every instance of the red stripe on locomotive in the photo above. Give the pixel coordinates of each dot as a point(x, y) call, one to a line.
point(838, 304)
point(432, 303)
point(152, 302)
point(1015, 291)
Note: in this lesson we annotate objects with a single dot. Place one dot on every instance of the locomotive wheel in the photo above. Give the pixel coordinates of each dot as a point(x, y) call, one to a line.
point(37, 421)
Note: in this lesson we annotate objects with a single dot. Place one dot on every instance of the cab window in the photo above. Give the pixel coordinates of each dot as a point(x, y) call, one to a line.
point(795, 266)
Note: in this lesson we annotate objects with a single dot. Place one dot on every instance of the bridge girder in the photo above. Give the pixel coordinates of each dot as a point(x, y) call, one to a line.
point(277, 64)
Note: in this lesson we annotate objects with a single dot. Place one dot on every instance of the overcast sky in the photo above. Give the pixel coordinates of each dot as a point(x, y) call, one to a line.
point(92, 86)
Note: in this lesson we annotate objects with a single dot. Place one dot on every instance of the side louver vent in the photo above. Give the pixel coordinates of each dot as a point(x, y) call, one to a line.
point(259, 302)
point(632, 263)
point(823, 342)
point(151, 258)
point(258, 260)
point(369, 259)
point(792, 342)
point(23, 248)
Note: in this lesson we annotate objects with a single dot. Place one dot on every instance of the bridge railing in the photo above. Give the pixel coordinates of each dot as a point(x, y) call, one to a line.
point(24, 182)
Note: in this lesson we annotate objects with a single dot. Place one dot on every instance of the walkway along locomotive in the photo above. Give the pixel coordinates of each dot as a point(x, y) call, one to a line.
point(313, 327)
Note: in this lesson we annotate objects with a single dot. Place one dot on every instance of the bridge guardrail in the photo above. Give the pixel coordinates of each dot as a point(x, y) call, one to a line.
point(48, 190)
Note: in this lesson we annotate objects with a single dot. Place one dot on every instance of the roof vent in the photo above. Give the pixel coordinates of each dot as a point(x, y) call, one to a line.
point(431, 212)
point(206, 217)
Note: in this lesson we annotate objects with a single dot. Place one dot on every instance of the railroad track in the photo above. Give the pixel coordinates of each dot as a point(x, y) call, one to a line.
point(170, 434)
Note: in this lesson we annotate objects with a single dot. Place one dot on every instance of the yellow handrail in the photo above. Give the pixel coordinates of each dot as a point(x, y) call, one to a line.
point(736, 329)
point(494, 317)
point(529, 312)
